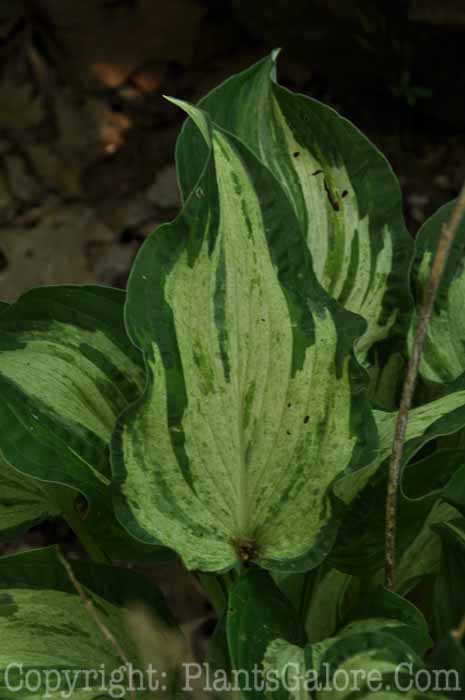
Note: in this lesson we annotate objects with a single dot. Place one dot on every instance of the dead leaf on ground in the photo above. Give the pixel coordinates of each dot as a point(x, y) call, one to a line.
point(108, 43)
point(54, 252)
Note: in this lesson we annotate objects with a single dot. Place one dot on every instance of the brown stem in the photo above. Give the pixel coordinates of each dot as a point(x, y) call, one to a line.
point(446, 239)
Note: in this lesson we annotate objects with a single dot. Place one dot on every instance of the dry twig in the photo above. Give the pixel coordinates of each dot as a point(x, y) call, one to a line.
point(90, 607)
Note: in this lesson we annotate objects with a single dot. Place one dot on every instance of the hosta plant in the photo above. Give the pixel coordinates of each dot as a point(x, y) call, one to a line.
point(236, 409)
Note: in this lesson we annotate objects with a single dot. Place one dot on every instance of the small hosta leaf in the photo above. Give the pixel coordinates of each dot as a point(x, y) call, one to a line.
point(373, 665)
point(342, 190)
point(257, 614)
point(286, 662)
point(443, 416)
point(377, 654)
point(360, 543)
point(253, 405)
point(360, 546)
point(443, 357)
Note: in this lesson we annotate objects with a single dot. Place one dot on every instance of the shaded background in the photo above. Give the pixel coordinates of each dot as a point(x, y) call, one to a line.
point(87, 141)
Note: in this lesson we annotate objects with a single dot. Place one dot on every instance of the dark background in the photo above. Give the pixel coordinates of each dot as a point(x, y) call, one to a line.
point(87, 140)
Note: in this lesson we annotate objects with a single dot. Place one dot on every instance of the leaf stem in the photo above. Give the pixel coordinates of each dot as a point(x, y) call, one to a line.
point(446, 239)
point(215, 592)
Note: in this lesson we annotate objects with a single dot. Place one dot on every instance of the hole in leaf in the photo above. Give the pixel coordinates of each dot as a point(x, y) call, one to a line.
point(306, 419)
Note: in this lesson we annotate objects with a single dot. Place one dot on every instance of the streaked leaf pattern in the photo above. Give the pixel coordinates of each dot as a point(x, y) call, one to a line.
point(388, 637)
point(67, 370)
point(443, 357)
point(393, 661)
point(44, 625)
point(341, 187)
point(254, 403)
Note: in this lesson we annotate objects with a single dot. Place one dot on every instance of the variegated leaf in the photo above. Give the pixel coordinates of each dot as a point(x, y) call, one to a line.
point(387, 635)
point(443, 416)
point(67, 369)
point(360, 543)
point(286, 663)
point(342, 189)
point(50, 637)
point(443, 357)
point(253, 405)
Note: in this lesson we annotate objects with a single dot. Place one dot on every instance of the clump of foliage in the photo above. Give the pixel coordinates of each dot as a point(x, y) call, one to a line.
point(236, 409)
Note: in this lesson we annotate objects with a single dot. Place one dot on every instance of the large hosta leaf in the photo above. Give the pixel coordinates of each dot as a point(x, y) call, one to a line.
point(45, 626)
point(443, 358)
point(253, 405)
point(342, 189)
point(67, 369)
